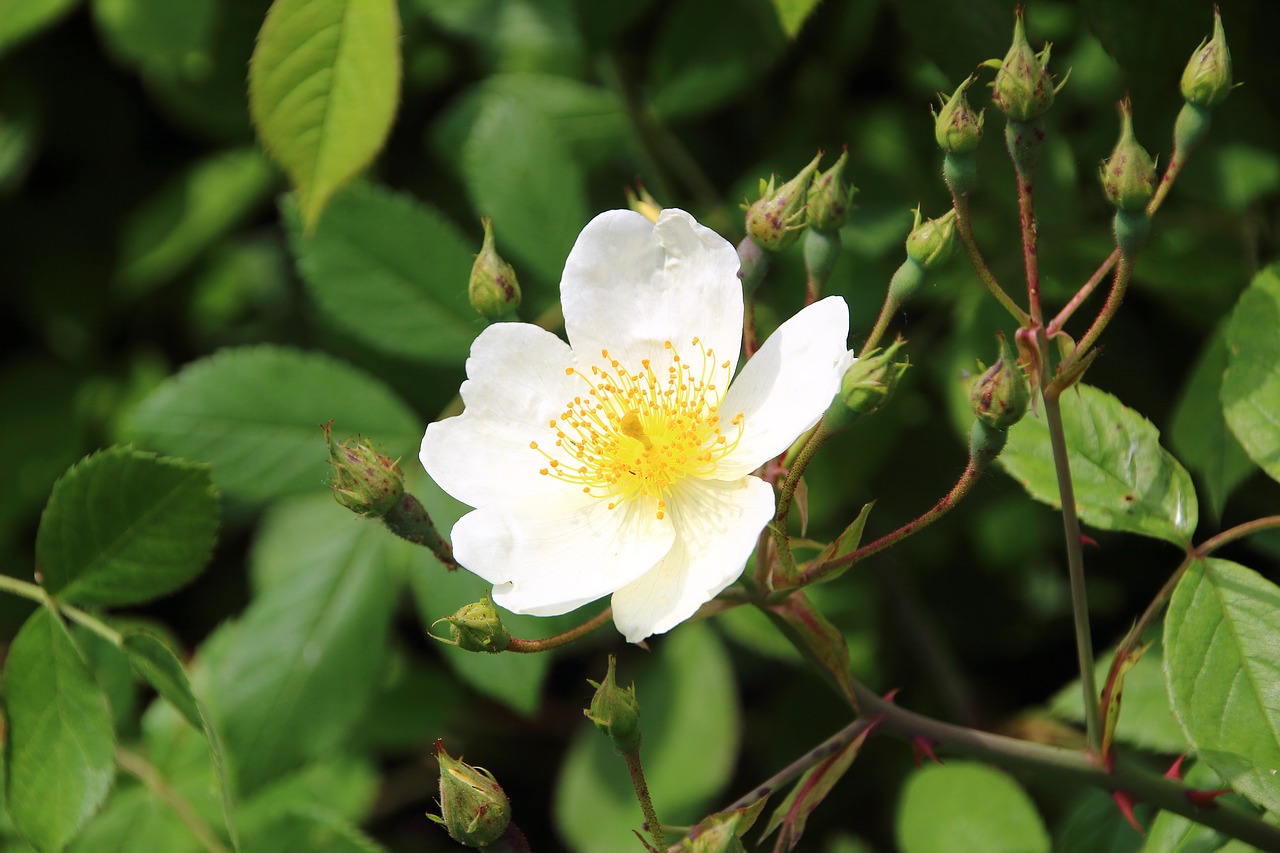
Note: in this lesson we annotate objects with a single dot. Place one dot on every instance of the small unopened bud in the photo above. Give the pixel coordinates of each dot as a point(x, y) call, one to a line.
point(363, 480)
point(476, 627)
point(870, 381)
point(830, 197)
point(1206, 81)
point(473, 807)
point(643, 203)
point(932, 243)
point(1023, 88)
point(1129, 174)
point(1001, 395)
point(775, 219)
point(957, 128)
point(616, 712)
point(492, 289)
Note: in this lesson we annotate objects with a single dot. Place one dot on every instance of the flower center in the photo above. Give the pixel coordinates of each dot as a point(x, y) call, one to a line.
point(636, 433)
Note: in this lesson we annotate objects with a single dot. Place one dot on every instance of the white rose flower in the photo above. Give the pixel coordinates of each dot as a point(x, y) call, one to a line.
point(621, 462)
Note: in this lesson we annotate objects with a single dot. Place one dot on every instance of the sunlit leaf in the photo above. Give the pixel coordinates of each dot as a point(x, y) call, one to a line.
point(1222, 663)
point(124, 527)
point(963, 807)
point(324, 82)
point(793, 14)
point(1124, 480)
point(60, 748)
point(22, 18)
point(256, 413)
point(1251, 386)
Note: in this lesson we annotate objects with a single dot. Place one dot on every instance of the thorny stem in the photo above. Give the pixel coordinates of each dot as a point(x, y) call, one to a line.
point(138, 767)
point(527, 647)
point(37, 593)
point(818, 754)
point(965, 226)
point(646, 802)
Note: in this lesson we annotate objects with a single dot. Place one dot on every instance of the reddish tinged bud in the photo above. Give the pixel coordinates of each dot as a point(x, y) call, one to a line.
point(492, 288)
point(775, 219)
point(363, 480)
point(1023, 88)
point(1206, 81)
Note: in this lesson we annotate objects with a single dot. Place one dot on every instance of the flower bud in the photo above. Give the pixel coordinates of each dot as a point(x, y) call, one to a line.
point(643, 203)
point(363, 480)
point(473, 807)
point(932, 243)
point(871, 380)
point(1129, 174)
point(1206, 81)
point(957, 128)
point(1023, 88)
point(616, 712)
point(477, 628)
point(830, 197)
point(775, 219)
point(492, 289)
point(1001, 395)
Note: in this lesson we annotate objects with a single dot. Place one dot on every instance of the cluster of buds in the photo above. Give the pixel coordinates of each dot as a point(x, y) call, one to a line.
point(492, 288)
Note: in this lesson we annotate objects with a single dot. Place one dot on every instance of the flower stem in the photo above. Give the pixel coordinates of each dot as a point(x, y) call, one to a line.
point(786, 496)
point(138, 767)
point(965, 226)
point(1238, 532)
point(646, 802)
point(1083, 293)
point(409, 520)
point(1119, 285)
point(36, 593)
point(528, 647)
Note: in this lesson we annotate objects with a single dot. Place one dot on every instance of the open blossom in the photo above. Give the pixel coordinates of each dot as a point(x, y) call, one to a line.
point(621, 462)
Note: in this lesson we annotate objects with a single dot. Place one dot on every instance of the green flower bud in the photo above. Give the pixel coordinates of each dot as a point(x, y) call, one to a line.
point(363, 480)
point(932, 243)
point(775, 219)
point(1001, 395)
point(476, 628)
point(1206, 81)
point(830, 197)
point(492, 289)
point(616, 712)
point(871, 380)
point(1129, 174)
point(1023, 88)
point(957, 128)
point(643, 203)
point(473, 807)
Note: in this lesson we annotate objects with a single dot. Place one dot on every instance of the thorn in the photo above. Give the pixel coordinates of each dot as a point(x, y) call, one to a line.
point(922, 747)
point(1175, 769)
point(1125, 801)
point(1206, 799)
point(1088, 540)
point(891, 695)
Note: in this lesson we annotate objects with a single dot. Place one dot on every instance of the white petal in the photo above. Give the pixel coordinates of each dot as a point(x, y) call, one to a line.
point(516, 384)
point(787, 385)
point(716, 528)
point(630, 285)
point(551, 553)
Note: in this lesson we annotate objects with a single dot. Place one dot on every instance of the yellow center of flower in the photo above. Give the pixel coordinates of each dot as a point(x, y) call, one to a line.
point(637, 433)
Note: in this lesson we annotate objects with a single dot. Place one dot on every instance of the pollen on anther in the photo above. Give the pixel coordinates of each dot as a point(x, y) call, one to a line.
point(533, 445)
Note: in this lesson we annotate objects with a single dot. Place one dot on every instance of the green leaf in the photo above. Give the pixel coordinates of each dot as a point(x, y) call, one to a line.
point(1094, 825)
point(20, 19)
point(1199, 434)
point(1251, 386)
point(60, 750)
point(158, 36)
point(124, 527)
point(256, 413)
point(134, 820)
point(964, 807)
point(173, 227)
point(690, 718)
point(392, 272)
point(1124, 480)
point(289, 680)
point(846, 543)
point(793, 13)
point(314, 830)
point(324, 81)
point(810, 790)
point(533, 189)
point(155, 662)
point(1222, 665)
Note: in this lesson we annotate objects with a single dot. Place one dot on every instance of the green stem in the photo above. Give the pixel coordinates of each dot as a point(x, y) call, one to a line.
point(646, 802)
point(1083, 293)
point(138, 767)
point(527, 647)
point(37, 593)
point(410, 521)
point(786, 496)
point(1124, 272)
point(1238, 532)
point(965, 226)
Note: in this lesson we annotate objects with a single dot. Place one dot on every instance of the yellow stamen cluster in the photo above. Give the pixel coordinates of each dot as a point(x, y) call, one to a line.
point(635, 433)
